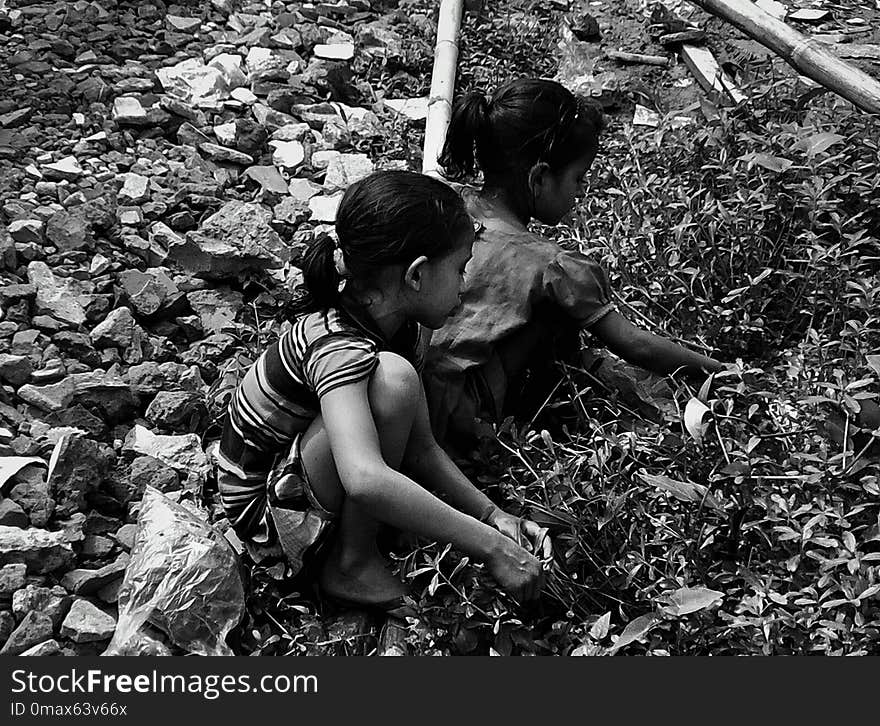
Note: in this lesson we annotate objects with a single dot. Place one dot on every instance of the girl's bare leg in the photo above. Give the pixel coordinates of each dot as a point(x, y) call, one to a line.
point(354, 568)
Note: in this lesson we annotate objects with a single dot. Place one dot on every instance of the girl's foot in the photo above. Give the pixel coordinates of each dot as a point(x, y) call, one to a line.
point(361, 579)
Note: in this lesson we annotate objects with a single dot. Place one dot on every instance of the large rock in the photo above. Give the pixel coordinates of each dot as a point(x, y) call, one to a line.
point(51, 397)
point(32, 495)
point(85, 623)
point(203, 85)
point(237, 238)
point(118, 329)
point(40, 550)
point(47, 647)
point(52, 601)
point(78, 467)
point(87, 582)
point(177, 410)
point(59, 297)
point(217, 309)
point(12, 578)
point(15, 369)
point(183, 453)
point(12, 514)
point(105, 392)
point(152, 292)
point(36, 627)
point(68, 231)
point(345, 169)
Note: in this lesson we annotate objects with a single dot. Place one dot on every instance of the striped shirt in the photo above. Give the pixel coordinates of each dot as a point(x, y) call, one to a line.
point(279, 397)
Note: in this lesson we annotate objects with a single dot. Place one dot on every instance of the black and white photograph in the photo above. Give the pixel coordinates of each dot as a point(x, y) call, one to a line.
point(411, 328)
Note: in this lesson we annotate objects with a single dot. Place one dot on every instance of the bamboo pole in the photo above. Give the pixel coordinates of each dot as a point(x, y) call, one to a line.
point(442, 84)
point(807, 56)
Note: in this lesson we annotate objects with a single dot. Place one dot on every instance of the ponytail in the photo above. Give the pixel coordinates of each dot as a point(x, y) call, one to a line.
point(470, 119)
point(320, 276)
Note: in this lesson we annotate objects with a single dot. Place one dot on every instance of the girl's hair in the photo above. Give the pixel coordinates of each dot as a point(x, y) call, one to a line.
point(526, 121)
point(387, 218)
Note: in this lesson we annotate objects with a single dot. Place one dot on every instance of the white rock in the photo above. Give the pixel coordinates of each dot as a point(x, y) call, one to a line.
point(292, 132)
point(324, 209)
point(128, 110)
point(67, 169)
point(55, 295)
point(415, 109)
point(322, 159)
point(135, 187)
point(181, 24)
point(26, 230)
point(225, 133)
point(288, 155)
point(346, 169)
point(183, 453)
point(203, 85)
point(85, 623)
point(244, 95)
point(79, 119)
point(334, 51)
point(260, 60)
point(303, 190)
point(99, 265)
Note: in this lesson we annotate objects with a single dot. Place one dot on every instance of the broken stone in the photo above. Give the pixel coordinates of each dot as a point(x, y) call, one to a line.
point(222, 153)
point(225, 133)
point(130, 216)
point(32, 496)
point(52, 397)
point(67, 169)
point(126, 533)
point(87, 582)
point(198, 84)
point(147, 471)
point(99, 265)
point(106, 392)
point(55, 296)
point(67, 231)
point(181, 24)
point(117, 329)
point(288, 155)
point(12, 578)
point(150, 292)
point(35, 628)
point(235, 239)
point(176, 410)
point(128, 111)
point(334, 51)
point(268, 178)
point(415, 109)
point(40, 550)
point(183, 453)
point(272, 119)
point(345, 169)
point(324, 209)
point(96, 546)
point(217, 309)
point(85, 623)
point(15, 369)
point(53, 601)
point(135, 188)
point(27, 231)
point(244, 95)
point(12, 515)
point(76, 471)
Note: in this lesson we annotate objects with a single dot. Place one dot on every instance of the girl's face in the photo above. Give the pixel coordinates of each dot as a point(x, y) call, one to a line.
point(555, 192)
point(441, 285)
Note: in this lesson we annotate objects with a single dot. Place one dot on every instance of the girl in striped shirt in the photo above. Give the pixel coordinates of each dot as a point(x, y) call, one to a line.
point(328, 433)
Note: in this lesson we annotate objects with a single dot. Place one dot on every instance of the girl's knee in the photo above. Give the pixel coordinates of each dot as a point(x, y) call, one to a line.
point(395, 387)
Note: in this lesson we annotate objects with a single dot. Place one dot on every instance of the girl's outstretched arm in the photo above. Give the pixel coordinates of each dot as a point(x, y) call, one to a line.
point(650, 351)
point(426, 460)
point(391, 497)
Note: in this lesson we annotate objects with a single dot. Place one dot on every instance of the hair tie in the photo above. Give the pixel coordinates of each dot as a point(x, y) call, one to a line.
point(339, 264)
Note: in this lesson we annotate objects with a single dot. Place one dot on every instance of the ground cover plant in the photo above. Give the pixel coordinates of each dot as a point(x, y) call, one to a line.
point(745, 517)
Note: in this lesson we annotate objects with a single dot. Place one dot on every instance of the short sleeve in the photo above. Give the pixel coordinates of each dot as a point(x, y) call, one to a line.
point(579, 286)
point(338, 360)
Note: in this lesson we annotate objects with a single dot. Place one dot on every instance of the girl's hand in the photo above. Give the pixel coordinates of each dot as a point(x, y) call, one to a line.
point(524, 532)
point(518, 572)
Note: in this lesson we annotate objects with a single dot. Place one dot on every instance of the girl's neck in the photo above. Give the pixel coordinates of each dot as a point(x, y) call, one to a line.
point(385, 315)
point(500, 204)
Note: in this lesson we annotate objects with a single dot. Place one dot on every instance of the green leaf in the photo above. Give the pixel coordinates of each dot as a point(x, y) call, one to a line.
point(818, 143)
point(601, 626)
point(688, 600)
point(635, 630)
point(693, 418)
point(685, 491)
point(772, 163)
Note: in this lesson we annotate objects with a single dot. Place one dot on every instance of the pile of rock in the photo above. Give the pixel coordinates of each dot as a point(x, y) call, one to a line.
point(158, 166)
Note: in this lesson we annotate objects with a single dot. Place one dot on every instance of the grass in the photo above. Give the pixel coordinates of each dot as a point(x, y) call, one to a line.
point(745, 519)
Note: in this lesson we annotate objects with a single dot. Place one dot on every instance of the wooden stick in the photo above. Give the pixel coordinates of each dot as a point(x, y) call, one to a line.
point(807, 56)
point(650, 60)
point(442, 84)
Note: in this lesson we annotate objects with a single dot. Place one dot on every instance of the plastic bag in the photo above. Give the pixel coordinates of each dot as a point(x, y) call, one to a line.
point(183, 578)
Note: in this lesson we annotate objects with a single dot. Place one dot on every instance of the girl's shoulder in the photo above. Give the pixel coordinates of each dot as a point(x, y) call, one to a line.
point(310, 328)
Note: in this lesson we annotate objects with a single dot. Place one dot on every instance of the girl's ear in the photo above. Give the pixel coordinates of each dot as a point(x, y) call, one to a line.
point(538, 176)
point(412, 276)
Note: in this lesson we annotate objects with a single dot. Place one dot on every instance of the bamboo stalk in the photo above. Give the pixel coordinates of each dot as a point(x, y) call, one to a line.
point(649, 60)
point(442, 84)
point(807, 56)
